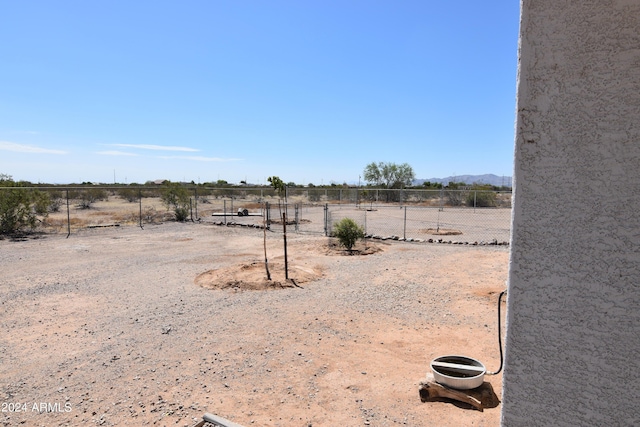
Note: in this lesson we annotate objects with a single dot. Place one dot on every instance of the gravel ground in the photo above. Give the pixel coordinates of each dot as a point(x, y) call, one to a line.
point(108, 327)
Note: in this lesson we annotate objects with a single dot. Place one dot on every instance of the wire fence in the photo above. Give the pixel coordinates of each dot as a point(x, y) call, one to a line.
point(447, 224)
point(457, 216)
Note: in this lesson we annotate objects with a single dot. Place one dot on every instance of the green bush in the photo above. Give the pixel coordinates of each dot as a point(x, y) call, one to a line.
point(176, 197)
point(56, 200)
point(481, 199)
point(182, 213)
point(129, 194)
point(20, 207)
point(457, 197)
point(348, 232)
point(87, 195)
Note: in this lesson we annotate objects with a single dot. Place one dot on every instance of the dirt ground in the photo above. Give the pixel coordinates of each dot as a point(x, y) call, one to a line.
point(122, 326)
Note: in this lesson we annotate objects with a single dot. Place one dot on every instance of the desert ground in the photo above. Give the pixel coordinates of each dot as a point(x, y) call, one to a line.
point(123, 326)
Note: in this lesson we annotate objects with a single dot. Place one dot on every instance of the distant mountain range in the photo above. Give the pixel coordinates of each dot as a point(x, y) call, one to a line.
point(470, 179)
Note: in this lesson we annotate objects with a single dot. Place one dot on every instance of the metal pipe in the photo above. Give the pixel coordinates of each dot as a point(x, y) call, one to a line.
point(140, 206)
point(68, 217)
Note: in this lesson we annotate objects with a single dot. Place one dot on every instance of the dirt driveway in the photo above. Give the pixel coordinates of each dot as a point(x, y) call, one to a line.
point(113, 327)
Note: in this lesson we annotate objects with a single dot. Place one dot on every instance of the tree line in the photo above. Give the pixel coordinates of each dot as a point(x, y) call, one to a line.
point(23, 204)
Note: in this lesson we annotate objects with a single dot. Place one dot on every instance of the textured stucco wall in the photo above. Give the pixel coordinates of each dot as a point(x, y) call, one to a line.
point(573, 322)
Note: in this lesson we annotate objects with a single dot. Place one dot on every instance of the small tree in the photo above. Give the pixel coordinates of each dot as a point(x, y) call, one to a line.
point(281, 188)
point(176, 197)
point(20, 207)
point(278, 185)
point(348, 232)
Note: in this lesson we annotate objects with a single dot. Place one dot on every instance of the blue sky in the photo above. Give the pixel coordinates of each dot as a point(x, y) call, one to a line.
point(311, 91)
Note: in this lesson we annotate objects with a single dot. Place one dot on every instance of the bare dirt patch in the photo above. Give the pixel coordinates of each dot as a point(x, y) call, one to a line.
point(253, 277)
point(362, 247)
point(110, 324)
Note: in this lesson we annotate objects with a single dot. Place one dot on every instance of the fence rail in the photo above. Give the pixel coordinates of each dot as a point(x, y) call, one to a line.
point(449, 215)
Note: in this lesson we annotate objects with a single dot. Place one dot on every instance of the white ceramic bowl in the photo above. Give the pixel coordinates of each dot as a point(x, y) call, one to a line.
point(459, 372)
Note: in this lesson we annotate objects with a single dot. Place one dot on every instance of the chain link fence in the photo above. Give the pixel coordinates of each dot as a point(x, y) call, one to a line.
point(449, 224)
point(415, 215)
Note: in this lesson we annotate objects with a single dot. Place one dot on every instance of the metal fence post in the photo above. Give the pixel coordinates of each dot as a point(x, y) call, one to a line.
point(224, 211)
point(326, 219)
point(365, 221)
point(140, 205)
point(195, 196)
point(68, 216)
point(267, 214)
point(404, 230)
point(284, 231)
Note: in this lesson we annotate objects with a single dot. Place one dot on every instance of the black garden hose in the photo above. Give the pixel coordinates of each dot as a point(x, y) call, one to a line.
point(499, 336)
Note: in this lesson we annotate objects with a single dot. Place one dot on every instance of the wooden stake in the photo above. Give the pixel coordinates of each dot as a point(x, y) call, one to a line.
point(264, 229)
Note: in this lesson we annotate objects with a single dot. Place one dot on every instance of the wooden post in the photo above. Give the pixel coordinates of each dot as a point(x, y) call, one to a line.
point(264, 230)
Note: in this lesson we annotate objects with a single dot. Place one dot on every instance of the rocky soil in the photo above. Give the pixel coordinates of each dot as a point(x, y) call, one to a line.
point(131, 327)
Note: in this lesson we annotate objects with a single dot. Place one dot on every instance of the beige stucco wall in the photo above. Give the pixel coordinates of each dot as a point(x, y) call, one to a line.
point(573, 322)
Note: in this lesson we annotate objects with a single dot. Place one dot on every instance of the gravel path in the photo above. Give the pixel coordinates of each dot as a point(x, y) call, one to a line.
point(107, 327)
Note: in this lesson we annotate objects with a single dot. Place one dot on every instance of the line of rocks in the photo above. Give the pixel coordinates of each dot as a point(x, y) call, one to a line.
point(493, 242)
point(238, 224)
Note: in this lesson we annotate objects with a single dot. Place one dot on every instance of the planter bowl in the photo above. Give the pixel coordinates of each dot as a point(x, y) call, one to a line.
point(459, 372)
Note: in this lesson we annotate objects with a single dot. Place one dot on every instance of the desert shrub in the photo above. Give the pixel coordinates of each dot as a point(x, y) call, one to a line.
point(456, 197)
point(87, 196)
point(315, 195)
point(204, 192)
point(176, 197)
point(20, 207)
point(481, 199)
point(129, 194)
point(56, 200)
point(348, 232)
point(503, 200)
point(182, 213)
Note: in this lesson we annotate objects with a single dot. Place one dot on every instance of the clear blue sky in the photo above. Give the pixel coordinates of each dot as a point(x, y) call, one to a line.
point(311, 91)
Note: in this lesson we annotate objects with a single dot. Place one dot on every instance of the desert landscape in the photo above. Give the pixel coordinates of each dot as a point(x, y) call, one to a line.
point(121, 326)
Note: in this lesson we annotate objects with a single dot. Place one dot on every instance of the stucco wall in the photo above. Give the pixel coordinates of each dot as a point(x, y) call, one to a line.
point(573, 322)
